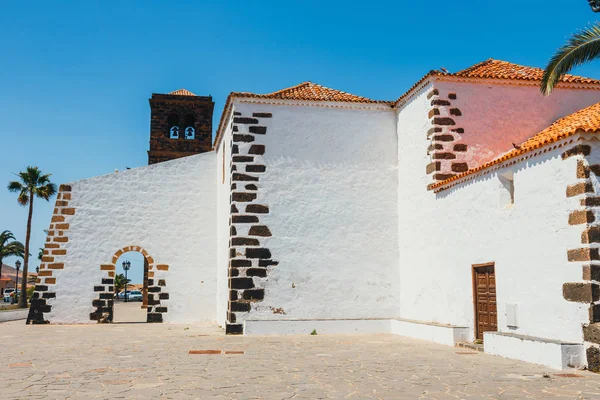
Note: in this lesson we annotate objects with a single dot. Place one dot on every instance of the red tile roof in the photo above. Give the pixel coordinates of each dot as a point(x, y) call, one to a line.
point(306, 91)
point(182, 92)
point(498, 69)
point(309, 91)
point(586, 120)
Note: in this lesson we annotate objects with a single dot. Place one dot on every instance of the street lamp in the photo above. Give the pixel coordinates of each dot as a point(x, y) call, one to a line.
point(126, 266)
point(595, 4)
point(18, 266)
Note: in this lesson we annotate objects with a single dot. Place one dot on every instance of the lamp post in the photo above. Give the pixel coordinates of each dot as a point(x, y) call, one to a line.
point(126, 266)
point(18, 266)
point(595, 5)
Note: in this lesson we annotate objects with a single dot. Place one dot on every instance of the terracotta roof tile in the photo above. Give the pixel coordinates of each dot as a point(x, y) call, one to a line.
point(586, 120)
point(306, 91)
point(311, 92)
point(182, 92)
point(497, 69)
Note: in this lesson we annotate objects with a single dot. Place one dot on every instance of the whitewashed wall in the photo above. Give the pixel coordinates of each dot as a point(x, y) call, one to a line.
point(223, 186)
point(330, 185)
point(169, 210)
point(441, 236)
point(494, 116)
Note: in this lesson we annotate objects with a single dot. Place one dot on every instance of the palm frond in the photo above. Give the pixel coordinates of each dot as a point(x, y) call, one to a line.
point(23, 198)
point(9, 246)
point(46, 191)
point(582, 47)
point(15, 186)
point(5, 236)
point(44, 179)
point(32, 182)
point(14, 249)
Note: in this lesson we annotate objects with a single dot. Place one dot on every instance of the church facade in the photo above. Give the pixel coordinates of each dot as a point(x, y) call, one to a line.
point(466, 210)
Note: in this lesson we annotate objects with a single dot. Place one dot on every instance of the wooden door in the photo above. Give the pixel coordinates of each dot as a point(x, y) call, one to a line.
point(484, 293)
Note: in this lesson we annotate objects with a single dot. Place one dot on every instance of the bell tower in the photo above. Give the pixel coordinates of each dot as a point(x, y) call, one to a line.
point(180, 126)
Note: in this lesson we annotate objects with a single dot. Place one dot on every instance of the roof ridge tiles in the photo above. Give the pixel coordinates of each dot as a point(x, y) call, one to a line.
point(475, 66)
point(182, 92)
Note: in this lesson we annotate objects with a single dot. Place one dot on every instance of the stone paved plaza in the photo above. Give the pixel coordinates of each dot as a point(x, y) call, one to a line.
point(143, 361)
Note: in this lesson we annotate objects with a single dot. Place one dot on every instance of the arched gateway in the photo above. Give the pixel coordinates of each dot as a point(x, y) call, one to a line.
point(154, 294)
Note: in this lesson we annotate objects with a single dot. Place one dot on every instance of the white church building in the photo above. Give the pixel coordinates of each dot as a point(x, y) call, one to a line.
point(466, 210)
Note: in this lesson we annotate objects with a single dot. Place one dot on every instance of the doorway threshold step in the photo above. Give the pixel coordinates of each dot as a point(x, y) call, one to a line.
point(469, 345)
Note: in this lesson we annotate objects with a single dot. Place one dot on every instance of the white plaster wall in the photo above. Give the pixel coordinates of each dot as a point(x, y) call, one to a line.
point(223, 185)
point(330, 185)
point(168, 209)
point(494, 116)
point(441, 236)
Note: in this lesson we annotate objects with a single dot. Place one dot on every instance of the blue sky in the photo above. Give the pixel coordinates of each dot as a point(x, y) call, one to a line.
point(75, 76)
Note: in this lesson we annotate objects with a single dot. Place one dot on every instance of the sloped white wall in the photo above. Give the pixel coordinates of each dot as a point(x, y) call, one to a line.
point(169, 209)
point(330, 185)
point(494, 116)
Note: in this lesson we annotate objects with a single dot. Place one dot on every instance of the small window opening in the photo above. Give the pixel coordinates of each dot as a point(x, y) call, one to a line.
point(190, 131)
point(507, 185)
point(173, 122)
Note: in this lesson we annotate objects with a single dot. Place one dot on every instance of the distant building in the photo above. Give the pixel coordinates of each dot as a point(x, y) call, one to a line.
point(6, 283)
point(467, 209)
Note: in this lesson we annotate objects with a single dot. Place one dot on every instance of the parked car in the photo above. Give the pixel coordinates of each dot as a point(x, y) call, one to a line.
point(135, 295)
point(132, 295)
point(7, 293)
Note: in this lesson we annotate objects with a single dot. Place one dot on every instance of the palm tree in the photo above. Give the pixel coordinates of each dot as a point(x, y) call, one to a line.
point(120, 283)
point(582, 47)
point(32, 183)
point(9, 247)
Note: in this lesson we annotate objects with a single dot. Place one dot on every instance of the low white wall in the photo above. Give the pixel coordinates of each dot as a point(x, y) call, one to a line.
point(168, 209)
point(323, 326)
point(13, 315)
point(447, 335)
point(553, 354)
point(442, 334)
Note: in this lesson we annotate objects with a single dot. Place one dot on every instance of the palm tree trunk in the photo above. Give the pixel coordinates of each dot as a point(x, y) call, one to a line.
point(23, 296)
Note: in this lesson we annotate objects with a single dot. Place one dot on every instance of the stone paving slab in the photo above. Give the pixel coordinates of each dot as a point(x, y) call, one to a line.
point(153, 361)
